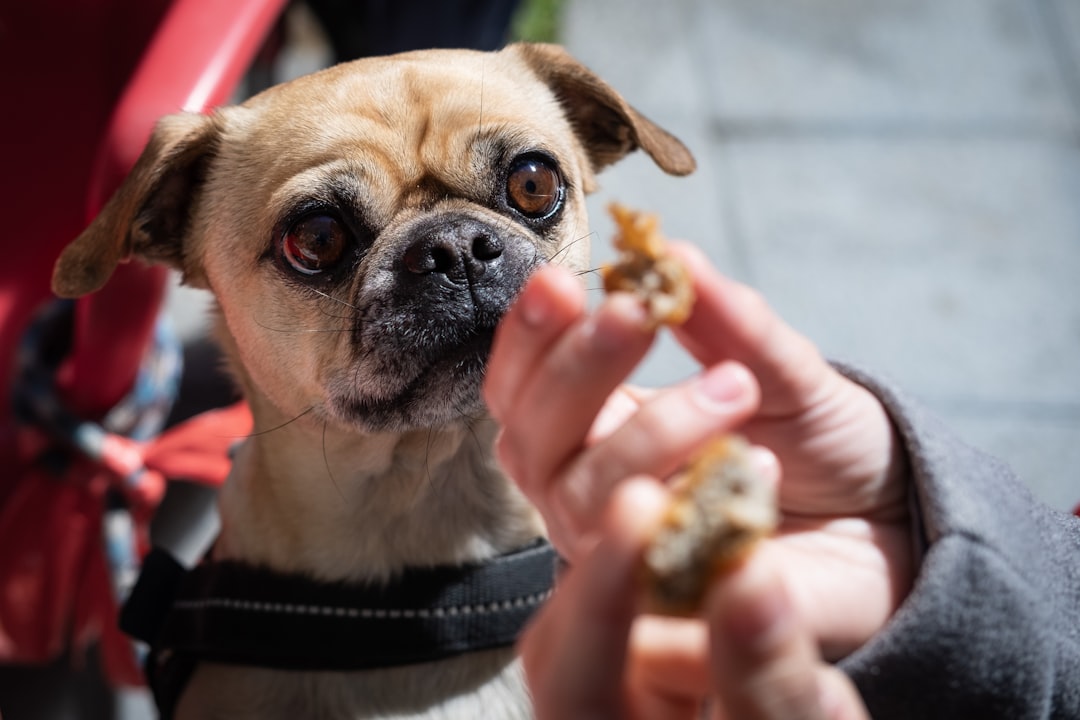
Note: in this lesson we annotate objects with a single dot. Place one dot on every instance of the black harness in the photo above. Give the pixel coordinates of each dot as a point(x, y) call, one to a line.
point(231, 612)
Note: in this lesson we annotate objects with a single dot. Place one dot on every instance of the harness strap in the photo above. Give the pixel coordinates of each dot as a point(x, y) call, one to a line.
point(231, 612)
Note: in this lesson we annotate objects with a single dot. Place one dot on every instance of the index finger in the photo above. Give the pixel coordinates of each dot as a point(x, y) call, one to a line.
point(731, 321)
point(549, 303)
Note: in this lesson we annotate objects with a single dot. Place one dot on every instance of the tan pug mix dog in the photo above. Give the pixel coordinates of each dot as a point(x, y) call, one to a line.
point(363, 230)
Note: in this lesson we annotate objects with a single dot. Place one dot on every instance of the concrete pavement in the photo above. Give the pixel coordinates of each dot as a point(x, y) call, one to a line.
point(901, 180)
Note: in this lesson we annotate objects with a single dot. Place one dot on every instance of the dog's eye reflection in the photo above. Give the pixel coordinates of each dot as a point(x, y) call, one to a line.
point(314, 244)
point(534, 187)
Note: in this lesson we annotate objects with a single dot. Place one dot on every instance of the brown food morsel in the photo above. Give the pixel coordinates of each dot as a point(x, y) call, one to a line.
point(720, 508)
point(647, 270)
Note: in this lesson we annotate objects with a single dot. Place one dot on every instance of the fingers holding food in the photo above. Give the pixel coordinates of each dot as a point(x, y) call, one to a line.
point(647, 270)
point(720, 507)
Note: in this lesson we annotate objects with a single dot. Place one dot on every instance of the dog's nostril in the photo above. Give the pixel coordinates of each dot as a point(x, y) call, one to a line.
point(430, 256)
point(443, 258)
point(450, 255)
point(486, 248)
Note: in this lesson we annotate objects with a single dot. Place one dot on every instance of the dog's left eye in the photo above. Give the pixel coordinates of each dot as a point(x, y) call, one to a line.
point(314, 244)
point(534, 187)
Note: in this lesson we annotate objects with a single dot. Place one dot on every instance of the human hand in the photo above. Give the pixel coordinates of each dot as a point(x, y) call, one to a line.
point(588, 654)
point(572, 432)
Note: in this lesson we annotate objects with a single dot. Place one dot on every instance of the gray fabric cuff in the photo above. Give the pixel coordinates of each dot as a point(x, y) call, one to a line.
point(991, 628)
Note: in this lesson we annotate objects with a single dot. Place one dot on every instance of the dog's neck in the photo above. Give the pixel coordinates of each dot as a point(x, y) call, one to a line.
point(308, 497)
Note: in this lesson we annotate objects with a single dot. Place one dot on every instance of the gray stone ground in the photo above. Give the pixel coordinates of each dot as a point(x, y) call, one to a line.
point(901, 178)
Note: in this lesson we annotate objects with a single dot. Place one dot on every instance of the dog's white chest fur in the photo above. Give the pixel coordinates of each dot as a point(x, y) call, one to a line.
point(361, 508)
point(480, 685)
point(366, 508)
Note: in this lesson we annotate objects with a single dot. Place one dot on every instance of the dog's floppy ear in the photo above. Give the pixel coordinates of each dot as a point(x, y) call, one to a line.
point(148, 215)
point(606, 124)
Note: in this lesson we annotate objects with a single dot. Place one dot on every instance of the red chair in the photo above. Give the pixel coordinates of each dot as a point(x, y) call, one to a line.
point(83, 84)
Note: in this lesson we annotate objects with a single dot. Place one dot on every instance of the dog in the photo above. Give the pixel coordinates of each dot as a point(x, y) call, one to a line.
point(362, 230)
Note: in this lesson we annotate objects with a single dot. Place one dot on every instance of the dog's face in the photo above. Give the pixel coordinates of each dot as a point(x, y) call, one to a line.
point(365, 228)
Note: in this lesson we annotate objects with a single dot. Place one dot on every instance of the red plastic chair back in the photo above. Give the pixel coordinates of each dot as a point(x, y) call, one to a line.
point(83, 83)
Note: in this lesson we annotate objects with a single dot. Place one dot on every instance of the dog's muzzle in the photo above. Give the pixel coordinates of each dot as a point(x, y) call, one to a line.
point(428, 316)
point(467, 266)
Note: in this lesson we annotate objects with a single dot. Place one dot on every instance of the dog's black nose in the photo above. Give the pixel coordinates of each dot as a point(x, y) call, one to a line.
point(461, 251)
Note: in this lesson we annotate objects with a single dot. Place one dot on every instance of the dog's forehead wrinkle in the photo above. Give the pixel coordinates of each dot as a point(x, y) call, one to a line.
point(446, 144)
point(445, 107)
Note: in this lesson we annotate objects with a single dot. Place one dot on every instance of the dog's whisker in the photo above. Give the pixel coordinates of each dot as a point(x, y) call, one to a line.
point(596, 272)
point(330, 297)
point(324, 312)
point(470, 426)
point(284, 424)
point(326, 462)
point(299, 331)
point(480, 118)
point(554, 259)
point(561, 256)
point(592, 274)
point(427, 460)
point(334, 316)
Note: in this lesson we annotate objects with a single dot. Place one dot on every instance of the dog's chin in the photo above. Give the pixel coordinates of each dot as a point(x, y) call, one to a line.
point(444, 390)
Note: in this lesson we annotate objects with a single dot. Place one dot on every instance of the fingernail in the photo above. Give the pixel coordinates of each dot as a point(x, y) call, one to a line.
point(536, 306)
point(723, 385)
point(619, 321)
point(766, 466)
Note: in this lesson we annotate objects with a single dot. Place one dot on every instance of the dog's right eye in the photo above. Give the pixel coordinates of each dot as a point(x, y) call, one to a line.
point(534, 187)
point(314, 245)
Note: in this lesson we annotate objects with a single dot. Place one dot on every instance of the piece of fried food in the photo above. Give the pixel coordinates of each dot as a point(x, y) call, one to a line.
point(720, 508)
point(647, 270)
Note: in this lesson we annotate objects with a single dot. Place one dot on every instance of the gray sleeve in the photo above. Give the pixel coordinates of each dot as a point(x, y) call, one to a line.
point(991, 628)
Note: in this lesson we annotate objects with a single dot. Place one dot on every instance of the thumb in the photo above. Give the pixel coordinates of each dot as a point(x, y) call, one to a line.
point(765, 662)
